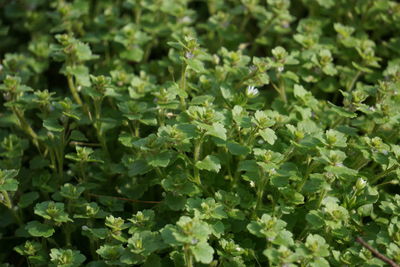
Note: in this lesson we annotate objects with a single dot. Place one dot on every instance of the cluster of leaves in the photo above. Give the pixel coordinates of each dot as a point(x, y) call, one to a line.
point(199, 133)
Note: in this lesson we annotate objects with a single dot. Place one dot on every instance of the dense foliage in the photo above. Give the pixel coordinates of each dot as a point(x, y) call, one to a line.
point(199, 133)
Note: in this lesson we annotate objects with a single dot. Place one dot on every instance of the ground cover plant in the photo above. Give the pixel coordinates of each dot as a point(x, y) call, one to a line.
point(199, 133)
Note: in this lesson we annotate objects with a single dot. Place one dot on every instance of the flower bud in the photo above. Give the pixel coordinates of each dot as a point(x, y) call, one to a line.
point(360, 184)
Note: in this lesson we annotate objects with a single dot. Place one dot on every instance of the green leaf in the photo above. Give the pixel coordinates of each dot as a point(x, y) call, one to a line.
point(52, 125)
point(202, 252)
point(315, 219)
point(27, 199)
point(341, 111)
point(84, 52)
point(237, 149)
point(10, 185)
point(217, 130)
point(135, 54)
point(268, 135)
point(195, 65)
point(38, 229)
point(160, 159)
point(209, 163)
point(81, 74)
point(175, 202)
point(51, 210)
point(248, 165)
point(139, 166)
point(66, 257)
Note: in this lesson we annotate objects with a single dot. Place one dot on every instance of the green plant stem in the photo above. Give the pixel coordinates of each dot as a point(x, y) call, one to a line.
point(244, 21)
point(136, 128)
point(24, 125)
point(382, 174)
point(138, 14)
point(188, 256)
point(60, 159)
point(161, 115)
point(281, 89)
point(260, 34)
point(73, 90)
point(261, 190)
point(82, 171)
point(147, 50)
point(310, 167)
point(68, 236)
point(8, 203)
point(53, 160)
point(288, 153)
point(245, 78)
point(196, 157)
point(183, 85)
point(320, 199)
point(107, 53)
point(98, 124)
point(354, 80)
point(336, 123)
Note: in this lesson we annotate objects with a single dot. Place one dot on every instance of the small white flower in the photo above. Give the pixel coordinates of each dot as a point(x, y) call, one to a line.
point(360, 184)
point(251, 91)
point(169, 114)
point(385, 152)
point(371, 109)
point(339, 164)
point(85, 228)
point(281, 68)
point(260, 141)
point(1, 67)
point(252, 68)
point(79, 88)
point(194, 241)
point(285, 25)
point(186, 19)
point(189, 55)
point(252, 184)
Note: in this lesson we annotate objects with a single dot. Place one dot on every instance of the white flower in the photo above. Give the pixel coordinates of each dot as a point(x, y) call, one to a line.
point(238, 249)
point(252, 184)
point(1, 67)
point(189, 55)
point(251, 91)
point(186, 19)
point(85, 228)
point(281, 68)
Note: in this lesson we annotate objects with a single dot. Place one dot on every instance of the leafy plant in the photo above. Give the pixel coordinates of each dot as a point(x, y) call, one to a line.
point(199, 133)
